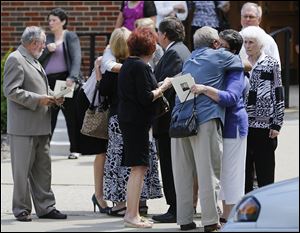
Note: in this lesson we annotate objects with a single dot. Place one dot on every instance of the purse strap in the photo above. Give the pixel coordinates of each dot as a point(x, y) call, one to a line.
point(92, 105)
point(194, 105)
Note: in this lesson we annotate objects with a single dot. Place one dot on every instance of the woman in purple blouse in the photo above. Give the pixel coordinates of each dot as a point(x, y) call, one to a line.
point(61, 60)
point(132, 10)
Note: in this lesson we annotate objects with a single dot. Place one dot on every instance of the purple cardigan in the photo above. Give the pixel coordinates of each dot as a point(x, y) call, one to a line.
point(232, 97)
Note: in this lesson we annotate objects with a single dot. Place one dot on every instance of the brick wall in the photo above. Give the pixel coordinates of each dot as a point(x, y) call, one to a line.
point(84, 16)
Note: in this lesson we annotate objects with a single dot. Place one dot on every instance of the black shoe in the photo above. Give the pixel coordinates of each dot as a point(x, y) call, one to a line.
point(24, 217)
point(118, 212)
point(54, 214)
point(212, 228)
point(187, 227)
point(74, 155)
point(101, 209)
point(165, 218)
point(223, 220)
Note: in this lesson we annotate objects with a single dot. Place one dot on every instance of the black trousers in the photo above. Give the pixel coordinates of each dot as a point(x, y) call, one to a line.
point(69, 112)
point(164, 151)
point(260, 158)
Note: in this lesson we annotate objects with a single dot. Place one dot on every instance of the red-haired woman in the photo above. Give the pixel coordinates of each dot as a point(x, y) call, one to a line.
point(137, 89)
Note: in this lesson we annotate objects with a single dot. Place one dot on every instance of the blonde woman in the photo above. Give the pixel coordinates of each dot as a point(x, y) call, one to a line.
point(116, 176)
point(159, 52)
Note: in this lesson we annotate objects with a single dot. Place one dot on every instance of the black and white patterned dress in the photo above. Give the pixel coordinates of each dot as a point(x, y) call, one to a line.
point(265, 103)
point(116, 176)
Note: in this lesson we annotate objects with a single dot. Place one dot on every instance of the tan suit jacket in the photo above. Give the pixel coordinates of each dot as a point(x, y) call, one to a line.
point(24, 83)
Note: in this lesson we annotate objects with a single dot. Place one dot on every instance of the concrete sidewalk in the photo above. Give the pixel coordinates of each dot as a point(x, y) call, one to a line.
point(72, 184)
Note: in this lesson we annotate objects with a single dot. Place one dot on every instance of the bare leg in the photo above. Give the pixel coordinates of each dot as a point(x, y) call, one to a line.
point(134, 188)
point(98, 178)
point(226, 210)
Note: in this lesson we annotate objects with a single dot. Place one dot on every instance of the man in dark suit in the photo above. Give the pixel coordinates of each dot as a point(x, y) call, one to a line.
point(170, 35)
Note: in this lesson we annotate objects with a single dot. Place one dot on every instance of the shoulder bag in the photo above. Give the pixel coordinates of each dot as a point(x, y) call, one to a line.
point(186, 128)
point(95, 122)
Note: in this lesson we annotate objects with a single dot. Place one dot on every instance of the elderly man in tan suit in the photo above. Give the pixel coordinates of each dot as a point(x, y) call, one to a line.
point(29, 100)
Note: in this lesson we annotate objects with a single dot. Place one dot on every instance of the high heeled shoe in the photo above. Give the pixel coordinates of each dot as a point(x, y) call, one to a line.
point(102, 210)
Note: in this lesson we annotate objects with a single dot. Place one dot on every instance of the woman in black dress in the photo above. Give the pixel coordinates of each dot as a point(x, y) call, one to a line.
point(137, 89)
point(115, 175)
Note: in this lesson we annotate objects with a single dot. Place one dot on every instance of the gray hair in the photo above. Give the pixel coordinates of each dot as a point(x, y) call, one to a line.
point(31, 34)
point(254, 32)
point(257, 8)
point(205, 36)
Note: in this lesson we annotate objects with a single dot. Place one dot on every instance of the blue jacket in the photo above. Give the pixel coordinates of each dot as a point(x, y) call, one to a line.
point(232, 97)
point(208, 67)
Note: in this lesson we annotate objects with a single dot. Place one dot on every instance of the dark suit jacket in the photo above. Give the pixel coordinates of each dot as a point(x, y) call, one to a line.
point(169, 65)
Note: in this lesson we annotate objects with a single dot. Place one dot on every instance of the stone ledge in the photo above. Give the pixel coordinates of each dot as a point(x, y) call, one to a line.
point(5, 151)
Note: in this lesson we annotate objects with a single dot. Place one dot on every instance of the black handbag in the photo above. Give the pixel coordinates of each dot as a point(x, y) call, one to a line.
point(186, 128)
point(95, 122)
point(161, 107)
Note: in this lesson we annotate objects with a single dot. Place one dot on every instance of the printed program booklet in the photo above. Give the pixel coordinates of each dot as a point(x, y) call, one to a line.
point(61, 89)
point(182, 85)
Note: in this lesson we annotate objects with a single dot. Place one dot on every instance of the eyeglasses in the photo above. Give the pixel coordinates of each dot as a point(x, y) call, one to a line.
point(249, 16)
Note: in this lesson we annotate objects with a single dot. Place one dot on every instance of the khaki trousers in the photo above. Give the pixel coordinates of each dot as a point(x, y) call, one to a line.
point(201, 155)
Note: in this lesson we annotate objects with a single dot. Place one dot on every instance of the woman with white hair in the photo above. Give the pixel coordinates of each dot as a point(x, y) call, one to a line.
point(265, 108)
point(251, 15)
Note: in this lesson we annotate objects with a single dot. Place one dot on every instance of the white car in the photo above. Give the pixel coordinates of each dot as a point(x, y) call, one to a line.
point(271, 208)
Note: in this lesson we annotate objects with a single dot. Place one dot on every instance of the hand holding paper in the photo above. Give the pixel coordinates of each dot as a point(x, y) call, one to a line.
point(63, 93)
point(62, 90)
point(182, 85)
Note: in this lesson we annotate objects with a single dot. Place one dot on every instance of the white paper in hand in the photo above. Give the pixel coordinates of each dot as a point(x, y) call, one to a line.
point(182, 85)
point(61, 89)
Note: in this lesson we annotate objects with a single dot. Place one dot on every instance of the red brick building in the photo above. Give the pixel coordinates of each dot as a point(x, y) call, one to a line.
point(84, 17)
point(100, 16)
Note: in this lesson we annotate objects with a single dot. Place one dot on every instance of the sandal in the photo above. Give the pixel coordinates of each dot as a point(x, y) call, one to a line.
point(117, 213)
point(142, 219)
point(141, 224)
